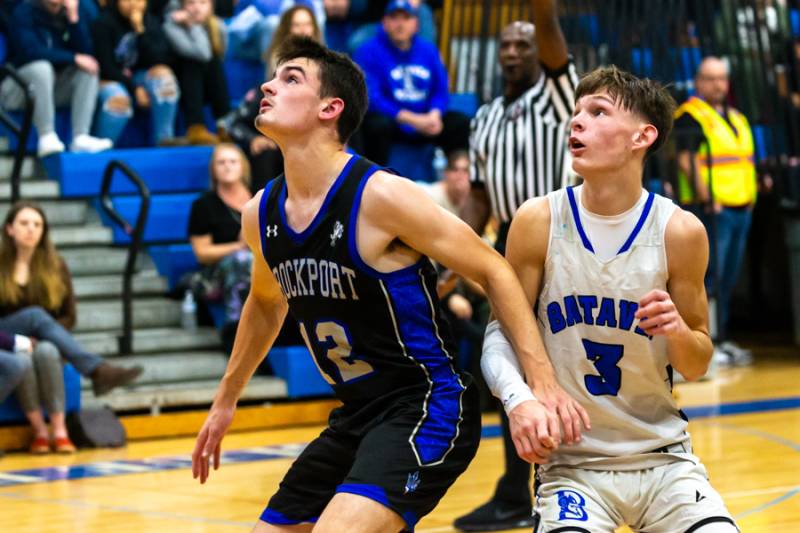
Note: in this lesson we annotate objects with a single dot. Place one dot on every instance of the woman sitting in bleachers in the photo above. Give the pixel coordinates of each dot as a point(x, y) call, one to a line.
point(36, 297)
point(198, 39)
point(215, 233)
point(133, 52)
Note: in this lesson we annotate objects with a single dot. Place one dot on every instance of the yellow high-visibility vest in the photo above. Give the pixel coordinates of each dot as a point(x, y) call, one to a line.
point(733, 173)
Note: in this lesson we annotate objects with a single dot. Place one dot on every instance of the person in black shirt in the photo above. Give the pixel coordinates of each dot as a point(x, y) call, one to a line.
point(133, 53)
point(345, 248)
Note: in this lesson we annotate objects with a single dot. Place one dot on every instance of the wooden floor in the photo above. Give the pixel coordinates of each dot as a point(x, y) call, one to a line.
point(753, 459)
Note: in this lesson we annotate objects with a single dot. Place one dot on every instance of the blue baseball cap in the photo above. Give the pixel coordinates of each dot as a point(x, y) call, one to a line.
point(400, 5)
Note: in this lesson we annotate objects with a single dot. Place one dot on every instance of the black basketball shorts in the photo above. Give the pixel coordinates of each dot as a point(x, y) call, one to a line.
point(407, 461)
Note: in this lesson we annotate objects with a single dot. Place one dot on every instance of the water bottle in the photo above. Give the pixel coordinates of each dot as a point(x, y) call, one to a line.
point(189, 312)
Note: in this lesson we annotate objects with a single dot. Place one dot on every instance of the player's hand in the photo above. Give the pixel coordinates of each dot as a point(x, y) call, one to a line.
point(534, 431)
point(87, 63)
point(565, 408)
point(207, 447)
point(658, 315)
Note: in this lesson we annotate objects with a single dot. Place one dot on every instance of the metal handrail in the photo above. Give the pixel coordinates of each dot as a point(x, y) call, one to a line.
point(135, 232)
point(21, 130)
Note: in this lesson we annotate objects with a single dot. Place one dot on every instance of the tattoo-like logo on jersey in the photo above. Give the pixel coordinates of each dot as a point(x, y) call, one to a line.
point(572, 506)
point(271, 230)
point(338, 231)
point(412, 482)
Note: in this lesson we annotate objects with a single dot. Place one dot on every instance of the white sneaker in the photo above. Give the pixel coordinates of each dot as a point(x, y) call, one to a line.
point(739, 356)
point(49, 144)
point(721, 358)
point(87, 143)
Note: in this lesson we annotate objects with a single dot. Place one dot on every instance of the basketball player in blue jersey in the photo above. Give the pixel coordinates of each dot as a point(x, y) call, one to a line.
point(617, 277)
point(344, 247)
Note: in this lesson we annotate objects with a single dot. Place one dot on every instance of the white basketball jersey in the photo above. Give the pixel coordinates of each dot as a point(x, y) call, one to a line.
point(602, 358)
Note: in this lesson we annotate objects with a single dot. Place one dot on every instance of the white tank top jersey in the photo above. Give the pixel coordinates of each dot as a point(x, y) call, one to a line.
point(602, 359)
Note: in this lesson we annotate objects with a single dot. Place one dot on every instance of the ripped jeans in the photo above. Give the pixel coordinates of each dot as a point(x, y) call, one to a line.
point(164, 95)
point(227, 281)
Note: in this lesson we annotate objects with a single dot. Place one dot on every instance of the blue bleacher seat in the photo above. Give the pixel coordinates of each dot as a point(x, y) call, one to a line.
point(794, 19)
point(167, 219)
point(11, 412)
point(162, 169)
point(294, 365)
point(173, 261)
point(3, 48)
point(466, 103)
point(642, 61)
point(762, 138)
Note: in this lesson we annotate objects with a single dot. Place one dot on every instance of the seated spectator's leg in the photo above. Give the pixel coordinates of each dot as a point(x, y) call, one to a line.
point(192, 86)
point(35, 322)
point(115, 110)
point(216, 88)
point(235, 269)
point(162, 87)
point(49, 373)
point(79, 88)
point(40, 76)
point(455, 132)
point(378, 130)
point(13, 368)
point(29, 398)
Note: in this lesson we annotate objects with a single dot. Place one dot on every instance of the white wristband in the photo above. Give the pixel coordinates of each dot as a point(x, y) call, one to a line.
point(501, 369)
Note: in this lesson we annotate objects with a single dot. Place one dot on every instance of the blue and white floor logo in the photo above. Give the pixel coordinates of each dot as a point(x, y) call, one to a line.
point(572, 506)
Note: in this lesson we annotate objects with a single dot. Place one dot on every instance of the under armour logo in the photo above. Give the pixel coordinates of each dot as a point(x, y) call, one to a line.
point(272, 231)
point(338, 231)
point(698, 497)
point(412, 482)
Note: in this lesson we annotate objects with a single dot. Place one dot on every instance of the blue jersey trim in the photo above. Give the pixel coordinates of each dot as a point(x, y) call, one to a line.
point(276, 518)
point(405, 272)
point(414, 312)
point(646, 211)
point(262, 218)
point(299, 238)
point(575, 215)
point(378, 494)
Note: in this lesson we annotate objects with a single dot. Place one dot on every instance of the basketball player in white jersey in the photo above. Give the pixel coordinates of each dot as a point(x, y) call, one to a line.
point(618, 277)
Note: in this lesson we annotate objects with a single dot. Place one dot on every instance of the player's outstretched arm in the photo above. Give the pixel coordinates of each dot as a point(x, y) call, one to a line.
point(681, 313)
point(526, 251)
point(262, 316)
point(549, 37)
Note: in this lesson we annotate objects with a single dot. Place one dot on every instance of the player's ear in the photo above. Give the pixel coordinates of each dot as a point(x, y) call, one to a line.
point(645, 136)
point(331, 108)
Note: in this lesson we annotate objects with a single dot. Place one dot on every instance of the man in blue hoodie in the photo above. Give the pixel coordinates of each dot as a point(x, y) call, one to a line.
point(407, 84)
point(51, 49)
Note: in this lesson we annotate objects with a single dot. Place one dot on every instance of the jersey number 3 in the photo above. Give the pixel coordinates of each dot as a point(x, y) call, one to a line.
point(605, 358)
point(333, 337)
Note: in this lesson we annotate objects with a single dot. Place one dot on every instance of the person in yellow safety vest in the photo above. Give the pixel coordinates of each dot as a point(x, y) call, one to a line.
point(717, 178)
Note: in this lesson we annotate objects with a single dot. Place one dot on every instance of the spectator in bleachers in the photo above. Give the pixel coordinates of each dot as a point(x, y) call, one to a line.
point(215, 233)
point(265, 158)
point(133, 54)
point(452, 191)
point(255, 22)
point(408, 93)
point(373, 14)
point(51, 48)
point(36, 297)
point(198, 38)
point(707, 127)
point(42, 386)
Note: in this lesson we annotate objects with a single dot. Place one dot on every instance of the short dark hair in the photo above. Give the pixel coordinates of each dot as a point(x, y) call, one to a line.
point(645, 97)
point(339, 77)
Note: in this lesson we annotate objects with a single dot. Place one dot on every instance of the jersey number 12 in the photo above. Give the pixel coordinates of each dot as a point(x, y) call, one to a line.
point(335, 340)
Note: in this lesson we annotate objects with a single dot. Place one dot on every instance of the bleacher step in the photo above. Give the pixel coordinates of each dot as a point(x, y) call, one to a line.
point(151, 340)
point(80, 235)
point(100, 260)
point(154, 397)
point(147, 312)
point(180, 367)
point(31, 189)
point(148, 282)
point(29, 169)
point(58, 212)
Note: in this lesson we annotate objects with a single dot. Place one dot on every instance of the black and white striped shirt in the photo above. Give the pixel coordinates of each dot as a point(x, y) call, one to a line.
point(518, 150)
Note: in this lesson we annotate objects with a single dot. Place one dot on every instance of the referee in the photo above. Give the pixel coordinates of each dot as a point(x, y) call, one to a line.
point(518, 150)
